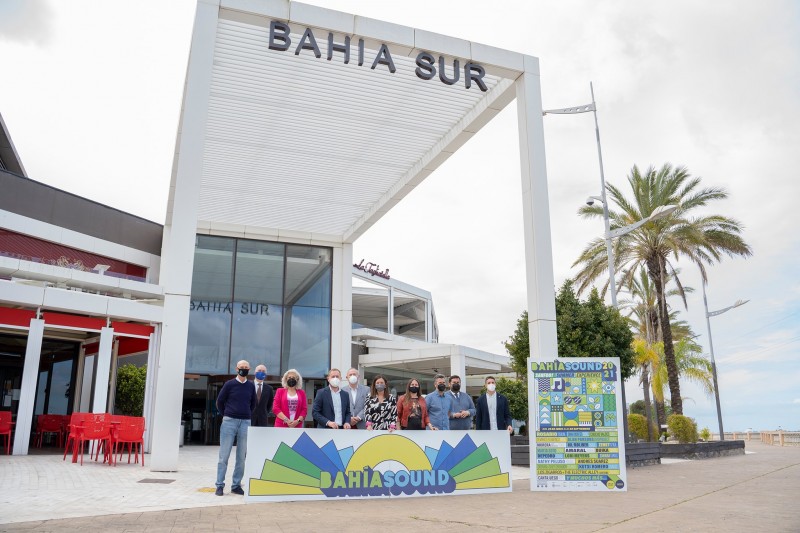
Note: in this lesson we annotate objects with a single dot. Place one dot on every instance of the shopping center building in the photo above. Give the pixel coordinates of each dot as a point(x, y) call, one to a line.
point(300, 128)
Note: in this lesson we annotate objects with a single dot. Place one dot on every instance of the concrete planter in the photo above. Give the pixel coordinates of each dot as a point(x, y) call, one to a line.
point(647, 453)
point(702, 450)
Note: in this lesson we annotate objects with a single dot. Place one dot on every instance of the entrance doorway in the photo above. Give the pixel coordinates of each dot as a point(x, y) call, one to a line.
point(55, 388)
point(12, 360)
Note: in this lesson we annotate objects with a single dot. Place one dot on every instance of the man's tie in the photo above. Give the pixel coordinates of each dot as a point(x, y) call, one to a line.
point(258, 395)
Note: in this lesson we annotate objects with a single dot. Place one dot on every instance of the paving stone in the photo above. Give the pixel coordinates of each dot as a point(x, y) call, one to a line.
point(738, 493)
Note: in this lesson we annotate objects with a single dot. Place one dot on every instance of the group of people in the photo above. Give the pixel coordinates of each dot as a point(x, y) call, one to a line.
point(347, 405)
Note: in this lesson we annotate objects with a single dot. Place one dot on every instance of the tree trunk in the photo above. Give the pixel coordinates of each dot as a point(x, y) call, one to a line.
point(646, 386)
point(655, 269)
point(661, 415)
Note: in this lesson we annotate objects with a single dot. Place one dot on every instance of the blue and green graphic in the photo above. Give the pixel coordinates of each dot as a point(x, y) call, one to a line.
point(384, 465)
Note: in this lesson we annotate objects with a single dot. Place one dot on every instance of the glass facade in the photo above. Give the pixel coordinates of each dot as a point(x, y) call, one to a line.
point(266, 302)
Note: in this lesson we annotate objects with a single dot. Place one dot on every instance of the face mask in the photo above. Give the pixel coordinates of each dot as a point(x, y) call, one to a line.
point(353, 379)
point(243, 372)
point(380, 387)
point(441, 387)
point(455, 387)
point(490, 387)
point(261, 375)
point(335, 382)
point(413, 390)
point(291, 382)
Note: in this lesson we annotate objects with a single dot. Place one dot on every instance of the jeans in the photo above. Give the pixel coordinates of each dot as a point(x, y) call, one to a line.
point(232, 427)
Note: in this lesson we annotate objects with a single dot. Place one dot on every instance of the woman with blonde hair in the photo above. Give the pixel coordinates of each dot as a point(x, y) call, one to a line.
point(290, 406)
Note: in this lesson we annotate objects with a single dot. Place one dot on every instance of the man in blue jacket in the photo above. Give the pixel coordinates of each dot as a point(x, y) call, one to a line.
point(235, 403)
point(492, 409)
point(332, 405)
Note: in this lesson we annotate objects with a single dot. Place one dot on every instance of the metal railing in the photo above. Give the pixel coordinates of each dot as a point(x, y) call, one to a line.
point(772, 438)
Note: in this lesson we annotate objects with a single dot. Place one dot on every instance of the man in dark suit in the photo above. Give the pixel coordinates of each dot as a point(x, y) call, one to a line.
point(263, 399)
point(492, 409)
point(332, 404)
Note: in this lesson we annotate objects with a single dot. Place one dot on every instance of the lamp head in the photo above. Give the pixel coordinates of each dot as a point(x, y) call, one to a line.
point(592, 199)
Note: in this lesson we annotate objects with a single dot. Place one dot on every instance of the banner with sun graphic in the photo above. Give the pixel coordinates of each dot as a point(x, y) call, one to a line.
point(578, 440)
point(319, 464)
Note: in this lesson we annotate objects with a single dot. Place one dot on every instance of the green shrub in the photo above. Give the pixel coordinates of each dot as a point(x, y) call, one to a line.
point(130, 389)
point(705, 434)
point(637, 425)
point(682, 428)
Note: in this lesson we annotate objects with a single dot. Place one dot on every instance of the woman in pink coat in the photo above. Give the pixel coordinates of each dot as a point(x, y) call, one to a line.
point(290, 406)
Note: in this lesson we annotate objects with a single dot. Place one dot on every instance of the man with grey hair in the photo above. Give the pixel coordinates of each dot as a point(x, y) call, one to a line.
point(235, 402)
point(358, 394)
point(440, 405)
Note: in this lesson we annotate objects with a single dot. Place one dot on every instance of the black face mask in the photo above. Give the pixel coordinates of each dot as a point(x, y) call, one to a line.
point(455, 387)
point(413, 390)
point(291, 382)
point(243, 372)
point(441, 387)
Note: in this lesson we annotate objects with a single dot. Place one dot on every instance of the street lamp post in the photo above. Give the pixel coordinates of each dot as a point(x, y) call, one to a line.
point(711, 348)
point(659, 212)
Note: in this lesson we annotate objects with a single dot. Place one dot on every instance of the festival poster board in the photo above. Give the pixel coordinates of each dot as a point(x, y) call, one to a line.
point(320, 464)
point(578, 440)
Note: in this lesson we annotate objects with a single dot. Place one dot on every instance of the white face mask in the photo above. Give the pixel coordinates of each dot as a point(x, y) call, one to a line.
point(335, 382)
point(490, 387)
point(353, 379)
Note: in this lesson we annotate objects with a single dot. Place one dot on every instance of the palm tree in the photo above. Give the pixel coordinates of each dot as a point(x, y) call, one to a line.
point(646, 358)
point(692, 365)
point(657, 244)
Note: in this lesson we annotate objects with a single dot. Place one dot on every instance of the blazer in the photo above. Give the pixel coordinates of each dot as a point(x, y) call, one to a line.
point(402, 412)
point(357, 408)
point(322, 410)
point(503, 412)
point(260, 414)
point(281, 406)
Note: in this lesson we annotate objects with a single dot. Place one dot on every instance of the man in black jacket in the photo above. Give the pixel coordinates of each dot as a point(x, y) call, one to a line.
point(264, 395)
point(492, 409)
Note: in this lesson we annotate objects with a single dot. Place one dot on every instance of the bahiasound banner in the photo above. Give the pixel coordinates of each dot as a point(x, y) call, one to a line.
point(320, 464)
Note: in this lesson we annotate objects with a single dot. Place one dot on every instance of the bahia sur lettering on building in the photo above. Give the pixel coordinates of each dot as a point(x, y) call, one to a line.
point(280, 40)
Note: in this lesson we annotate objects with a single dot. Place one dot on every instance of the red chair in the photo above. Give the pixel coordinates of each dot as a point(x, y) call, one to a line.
point(96, 427)
point(6, 425)
point(50, 424)
point(75, 421)
point(130, 432)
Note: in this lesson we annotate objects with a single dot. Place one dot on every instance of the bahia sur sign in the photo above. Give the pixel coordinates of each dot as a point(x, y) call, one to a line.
point(428, 66)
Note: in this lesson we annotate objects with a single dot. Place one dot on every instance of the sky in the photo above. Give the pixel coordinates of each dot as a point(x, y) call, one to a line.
point(91, 93)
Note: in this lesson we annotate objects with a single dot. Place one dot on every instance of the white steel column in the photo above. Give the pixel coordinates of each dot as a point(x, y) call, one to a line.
point(149, 386)
point(536, 215)
point(390, 318)
point(179, 240)
point(458, 367)
point(342, 307)
point(101, 379)
point(27, 398)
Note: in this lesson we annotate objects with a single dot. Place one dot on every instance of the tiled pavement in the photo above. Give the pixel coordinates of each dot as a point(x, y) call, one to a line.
point(754, 492)
point(46, 487)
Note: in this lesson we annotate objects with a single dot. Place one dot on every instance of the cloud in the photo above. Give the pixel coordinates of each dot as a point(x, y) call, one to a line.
point(26, 21)
point(796, 400)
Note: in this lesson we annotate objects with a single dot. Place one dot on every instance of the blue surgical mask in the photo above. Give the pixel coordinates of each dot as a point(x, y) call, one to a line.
point(261, 376)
